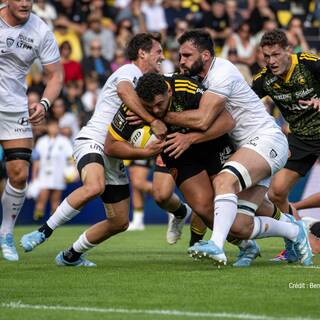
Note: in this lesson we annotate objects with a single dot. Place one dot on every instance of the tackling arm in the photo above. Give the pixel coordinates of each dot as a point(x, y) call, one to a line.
point(211, 105)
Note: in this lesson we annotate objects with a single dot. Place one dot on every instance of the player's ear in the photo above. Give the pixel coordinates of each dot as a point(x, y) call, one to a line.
point(206, 56)
point(141, 53)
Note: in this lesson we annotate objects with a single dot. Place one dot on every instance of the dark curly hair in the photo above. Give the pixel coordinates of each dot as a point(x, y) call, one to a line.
point(274, 37)
point(143, 41)
point(150, 85)
point(200, 38)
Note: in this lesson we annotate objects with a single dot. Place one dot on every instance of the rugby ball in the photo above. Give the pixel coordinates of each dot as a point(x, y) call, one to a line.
point(142, 137)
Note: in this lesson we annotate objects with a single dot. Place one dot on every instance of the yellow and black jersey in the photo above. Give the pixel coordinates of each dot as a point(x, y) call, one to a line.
point(186, 95)
point(302, 82)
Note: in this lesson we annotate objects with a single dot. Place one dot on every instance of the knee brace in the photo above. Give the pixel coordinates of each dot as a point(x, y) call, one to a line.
point(114, 193)
point(17, 154)
point(240, 171)
point(246, 207)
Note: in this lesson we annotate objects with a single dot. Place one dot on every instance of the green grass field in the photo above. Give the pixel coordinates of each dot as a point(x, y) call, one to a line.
point(139, 276)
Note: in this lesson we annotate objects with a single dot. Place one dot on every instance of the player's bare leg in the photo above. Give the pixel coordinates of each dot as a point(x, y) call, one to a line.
point(14, 192)
point(93, 179)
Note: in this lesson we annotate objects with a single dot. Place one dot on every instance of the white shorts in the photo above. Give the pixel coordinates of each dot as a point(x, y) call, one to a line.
point(273, 146)
point(115, 173)
point(15, 125)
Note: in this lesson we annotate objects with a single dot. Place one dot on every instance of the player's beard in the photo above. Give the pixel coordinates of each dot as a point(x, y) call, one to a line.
point(196, 68)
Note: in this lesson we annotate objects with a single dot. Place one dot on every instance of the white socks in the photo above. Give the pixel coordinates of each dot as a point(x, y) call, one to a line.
point(265, 227)
point(225, 211)
point(63, 214)
point(138, 216)
point(12, 200)
point(82, 244)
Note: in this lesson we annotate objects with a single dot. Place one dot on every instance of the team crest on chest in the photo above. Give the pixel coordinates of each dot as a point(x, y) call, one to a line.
point(9, 42)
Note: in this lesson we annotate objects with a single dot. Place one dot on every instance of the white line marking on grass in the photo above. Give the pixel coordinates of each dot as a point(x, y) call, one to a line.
point(212, 315)
point(306, 267)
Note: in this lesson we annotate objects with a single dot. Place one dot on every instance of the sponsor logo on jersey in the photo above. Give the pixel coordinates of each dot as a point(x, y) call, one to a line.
point(303, 93)
point(273, 154)
point(9, 42)
point(284, 96)
point(119, 121)
point(272, 80)
point(253, 141)
point(95, 146)
point(24, 121)
point(23, 45)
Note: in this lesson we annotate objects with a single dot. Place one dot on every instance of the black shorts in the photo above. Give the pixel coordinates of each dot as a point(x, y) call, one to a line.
point(304, 154)
point(208, 156)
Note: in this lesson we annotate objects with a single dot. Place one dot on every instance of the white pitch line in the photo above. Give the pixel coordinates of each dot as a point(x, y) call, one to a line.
point(212, 315)
point(306, 267)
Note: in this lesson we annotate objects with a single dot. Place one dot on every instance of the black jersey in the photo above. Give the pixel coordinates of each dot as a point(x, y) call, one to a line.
point(301, 83)
point(186, 95)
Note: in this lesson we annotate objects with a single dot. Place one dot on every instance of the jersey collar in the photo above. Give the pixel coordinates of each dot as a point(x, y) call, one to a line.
point(294, 62)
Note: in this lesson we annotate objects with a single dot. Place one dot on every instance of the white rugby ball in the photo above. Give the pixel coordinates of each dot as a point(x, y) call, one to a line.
point(142, 137)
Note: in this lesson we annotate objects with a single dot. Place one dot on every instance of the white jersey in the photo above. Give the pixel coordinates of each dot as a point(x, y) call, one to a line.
point(19, 47)
point(246, 108)
point(109, 103)
point(54, 155)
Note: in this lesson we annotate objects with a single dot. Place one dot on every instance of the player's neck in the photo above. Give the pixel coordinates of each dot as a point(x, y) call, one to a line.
point(208, 65)
point(141, 65)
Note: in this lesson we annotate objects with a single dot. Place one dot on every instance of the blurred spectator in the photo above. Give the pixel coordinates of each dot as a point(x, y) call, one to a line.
point(68, 122)
point(97, 31)
point(234, 14)
point(89, 98)
point(72, 101)
point(282, 9)
point(173, 13)
point(105, 11)
point(45, 11)
point(74, 16)
point(259, 14)
point(246, 7)
point(259, 62)
point(295, 36)
point(119, 60)
point(72, 69)
point(51, 156)
point(313, 13)
point(233, 57)
point(95, 64)
point(217, 22)
point(181, 26)
point(268, 25)
point(124, 33)
point(133, 13)
point(154, 17)
point(243, 43)
point(63, 33)
point(36, 78)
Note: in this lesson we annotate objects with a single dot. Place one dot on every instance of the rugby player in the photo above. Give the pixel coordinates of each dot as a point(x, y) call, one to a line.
point(262, 149)
point(24, 38)
point(104, 176)
point(292, 82)
point(200, 157)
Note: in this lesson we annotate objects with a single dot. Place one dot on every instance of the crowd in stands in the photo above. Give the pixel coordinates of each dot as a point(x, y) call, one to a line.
point(92, 35)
